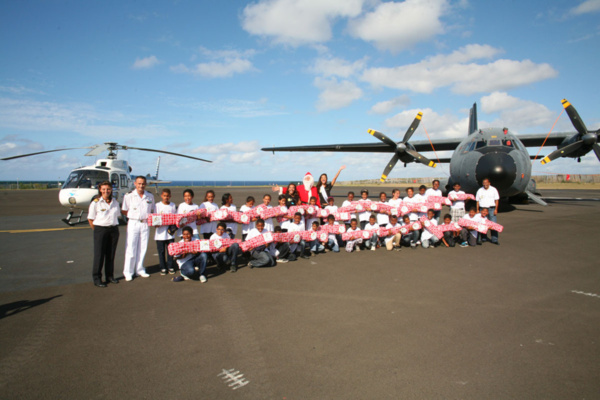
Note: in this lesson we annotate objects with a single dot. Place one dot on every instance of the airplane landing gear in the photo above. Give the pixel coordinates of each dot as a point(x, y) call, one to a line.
point(67, 220)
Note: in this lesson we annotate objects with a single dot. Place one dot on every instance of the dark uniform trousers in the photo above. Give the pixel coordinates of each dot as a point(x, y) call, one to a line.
point(105, 247)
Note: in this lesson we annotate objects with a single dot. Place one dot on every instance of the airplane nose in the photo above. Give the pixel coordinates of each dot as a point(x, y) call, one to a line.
point(499, 168)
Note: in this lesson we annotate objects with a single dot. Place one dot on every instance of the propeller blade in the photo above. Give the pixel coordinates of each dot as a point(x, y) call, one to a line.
point(574, 117)
point(165, 152)
point(420, 158)
point(562, 152)
point(382, 137)
point(413, 127)
point(42, 152)
point(596, 148)
point(389, 167)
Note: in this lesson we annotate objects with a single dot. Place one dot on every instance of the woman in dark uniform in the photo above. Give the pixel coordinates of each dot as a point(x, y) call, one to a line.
point(103, 217)
point(324, 188)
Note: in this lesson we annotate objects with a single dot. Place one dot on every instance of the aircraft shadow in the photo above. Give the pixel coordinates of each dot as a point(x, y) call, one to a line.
point(10, 309)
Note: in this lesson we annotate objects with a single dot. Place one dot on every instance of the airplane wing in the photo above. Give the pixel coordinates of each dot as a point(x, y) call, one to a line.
point(421, 145)
point(536, 139)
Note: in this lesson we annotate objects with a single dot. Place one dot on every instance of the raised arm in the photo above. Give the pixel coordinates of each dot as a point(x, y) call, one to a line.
point(338, 174)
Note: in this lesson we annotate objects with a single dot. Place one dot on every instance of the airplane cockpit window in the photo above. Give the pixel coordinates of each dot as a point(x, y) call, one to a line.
point(471, 147)
point(114, 179)
point(480, 144)
point(507, 143)
point(494, 142)
point(124, 182)
point(86, 179)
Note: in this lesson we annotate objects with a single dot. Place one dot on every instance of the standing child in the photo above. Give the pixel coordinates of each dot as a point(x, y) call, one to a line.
point(382, 218)
point(353, 244)
point(162, 236)
point(348, 202)
point(246, 228)
point(363, 217)
point(208, 228)
point(227, 203)
point(186, 207)
point(285, 220)
point(310, 220)
point(268, 221)
point(457, 210)
point(435, 191)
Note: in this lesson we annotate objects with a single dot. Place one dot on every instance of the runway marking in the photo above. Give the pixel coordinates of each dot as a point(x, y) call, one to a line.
point(234, 378)
point(43, 230)
point(585, 294)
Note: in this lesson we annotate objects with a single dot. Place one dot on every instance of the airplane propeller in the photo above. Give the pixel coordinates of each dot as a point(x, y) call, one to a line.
point(586, 138)
point(402, 147)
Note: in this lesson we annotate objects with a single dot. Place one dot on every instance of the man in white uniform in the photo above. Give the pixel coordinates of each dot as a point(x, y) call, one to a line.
point(488, 197)
point(137, 205)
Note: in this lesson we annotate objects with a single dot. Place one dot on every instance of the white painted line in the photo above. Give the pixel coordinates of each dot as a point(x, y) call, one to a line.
point(233, 378)
point(585, 294)
point(70, 262)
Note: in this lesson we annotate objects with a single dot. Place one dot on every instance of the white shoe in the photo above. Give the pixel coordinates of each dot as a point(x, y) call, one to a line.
point(144, 275)
point(282, 260)
point(128, 278)
point(185, 278)
point(373, 248)
point(202, 278)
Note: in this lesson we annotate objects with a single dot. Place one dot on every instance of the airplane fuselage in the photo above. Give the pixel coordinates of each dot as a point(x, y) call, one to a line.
point(492, 153)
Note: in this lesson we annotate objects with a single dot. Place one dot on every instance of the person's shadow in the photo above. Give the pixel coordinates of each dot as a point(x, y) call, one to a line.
point(10, 309)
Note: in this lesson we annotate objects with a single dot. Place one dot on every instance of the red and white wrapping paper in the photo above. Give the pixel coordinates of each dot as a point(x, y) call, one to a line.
point(273, 212)
point(335, 229)
point(358, 235)
point(434, 229)
point(309, 236)
point(478, 226)
point(460, 197)
point(163, 219)
point(451, 227)
point(191, 217)
point(200, 246)
point(257, 241)
point(222, 214)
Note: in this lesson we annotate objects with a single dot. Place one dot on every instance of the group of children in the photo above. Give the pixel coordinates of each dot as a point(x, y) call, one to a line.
point(193, 265)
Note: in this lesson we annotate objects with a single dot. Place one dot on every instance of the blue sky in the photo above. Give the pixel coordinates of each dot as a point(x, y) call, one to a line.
point(221, 79)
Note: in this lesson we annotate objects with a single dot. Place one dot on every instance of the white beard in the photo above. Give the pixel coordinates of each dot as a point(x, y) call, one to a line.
point(308, 182)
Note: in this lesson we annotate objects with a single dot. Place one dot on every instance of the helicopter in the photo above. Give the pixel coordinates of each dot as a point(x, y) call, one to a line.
point(81, 186)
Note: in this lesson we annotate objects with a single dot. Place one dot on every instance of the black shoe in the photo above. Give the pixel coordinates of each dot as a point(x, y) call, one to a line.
point(99, 284)
point(113, 280)
point(305, 256)
point(233, 268)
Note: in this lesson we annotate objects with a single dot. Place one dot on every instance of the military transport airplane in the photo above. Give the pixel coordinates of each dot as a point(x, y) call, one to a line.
point(493, 153)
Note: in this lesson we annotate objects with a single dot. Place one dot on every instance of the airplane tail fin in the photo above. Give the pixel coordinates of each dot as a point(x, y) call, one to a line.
point(473, 119)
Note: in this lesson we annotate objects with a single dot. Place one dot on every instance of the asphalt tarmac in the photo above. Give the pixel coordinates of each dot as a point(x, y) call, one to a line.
point(515, 321)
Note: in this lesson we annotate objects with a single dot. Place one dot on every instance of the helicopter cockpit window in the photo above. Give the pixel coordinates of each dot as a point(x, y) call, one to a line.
point(114, 179)
point(480, 144)
point(124, 182)
point(85, 179)
point(494, 142)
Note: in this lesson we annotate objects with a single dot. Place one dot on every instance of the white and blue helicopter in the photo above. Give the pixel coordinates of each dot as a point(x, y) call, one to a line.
point(81, 186)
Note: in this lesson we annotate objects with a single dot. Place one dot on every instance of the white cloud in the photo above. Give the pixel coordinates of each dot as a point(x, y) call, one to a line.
point(517, 113)
point(337, 67)
point(438, 126)
point(458, 71)
point(384, 107)
point(297, 22)
point(145, 63)
point(224, 64)
point(335, 95)
point(588, 6)
point(19, 90)
point(396, 26)
point(227, 148)
point(236, 108)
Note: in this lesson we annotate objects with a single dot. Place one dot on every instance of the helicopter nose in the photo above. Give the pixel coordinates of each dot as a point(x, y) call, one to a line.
point(499, 168)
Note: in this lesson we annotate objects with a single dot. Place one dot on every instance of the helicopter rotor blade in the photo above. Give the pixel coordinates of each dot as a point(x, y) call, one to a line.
point(97, 150)
point(165, 152)
point(42, 152)
point(389, 167)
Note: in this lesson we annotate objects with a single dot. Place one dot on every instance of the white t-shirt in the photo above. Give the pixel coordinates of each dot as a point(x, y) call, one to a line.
point(456, 204)
point(347, 203)
point(382, 218)
point(161, 231)
point(487, 198)
point(413, 215)
point(209, 227)
point(231, 225)
point(371, 227)
point(420, 199)
point(476, 218)
point(185, 208)
point(426, 235)
point(294, 227)
point(269, 222)
point(390, 226)
point(433, 192)
point(364, 215)
point(183, 260)
point(247, 227)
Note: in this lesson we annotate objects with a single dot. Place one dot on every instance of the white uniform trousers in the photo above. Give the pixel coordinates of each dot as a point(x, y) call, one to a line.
point(135, 250)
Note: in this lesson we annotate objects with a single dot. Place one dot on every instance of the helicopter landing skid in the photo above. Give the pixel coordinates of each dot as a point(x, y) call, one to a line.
point(68, 221)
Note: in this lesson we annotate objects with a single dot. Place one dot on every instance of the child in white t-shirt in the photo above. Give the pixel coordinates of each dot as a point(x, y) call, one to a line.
point(162, 236)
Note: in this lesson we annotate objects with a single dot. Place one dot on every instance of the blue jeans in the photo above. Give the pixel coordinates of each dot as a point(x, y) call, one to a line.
point(164, 258)
point(317, 247)
point(429, 242)
point(228, 258)
point(188, 268)
point(493, 218)
point(371, 242)
point(332, 244)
